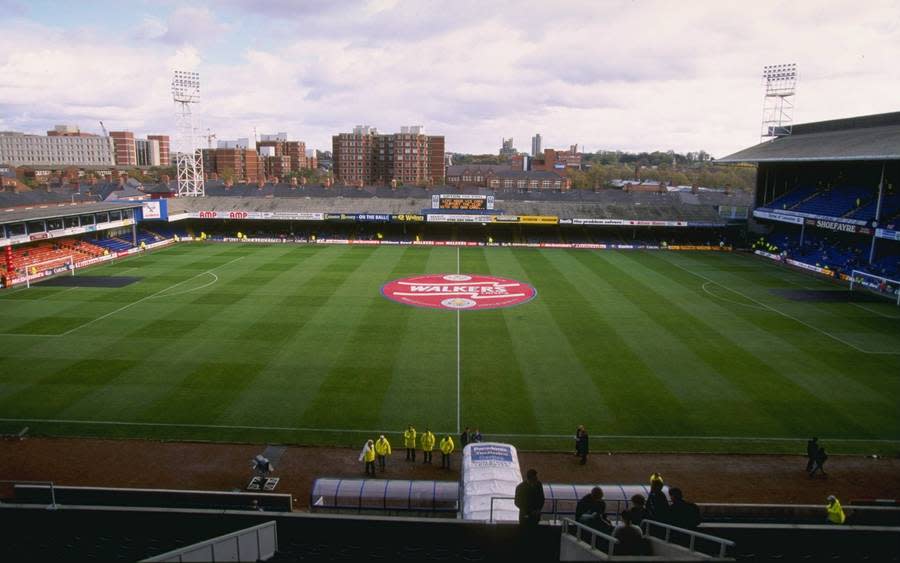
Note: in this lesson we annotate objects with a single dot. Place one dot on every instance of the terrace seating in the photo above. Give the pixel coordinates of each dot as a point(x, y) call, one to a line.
point(114, 244)
point(836, 202)
point(50, 251)
point(792, 198)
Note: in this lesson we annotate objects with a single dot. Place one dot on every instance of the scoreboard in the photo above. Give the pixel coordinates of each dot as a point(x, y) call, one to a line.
point(463, 202)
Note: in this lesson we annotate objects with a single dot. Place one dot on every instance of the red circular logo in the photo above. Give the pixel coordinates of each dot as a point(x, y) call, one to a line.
point(458, 291)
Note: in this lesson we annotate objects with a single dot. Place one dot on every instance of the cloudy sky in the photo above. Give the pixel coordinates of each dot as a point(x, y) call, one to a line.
point(629, 75)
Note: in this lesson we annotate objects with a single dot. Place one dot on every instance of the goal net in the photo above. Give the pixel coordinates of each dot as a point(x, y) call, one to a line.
point(48, 268)
point(877, 284)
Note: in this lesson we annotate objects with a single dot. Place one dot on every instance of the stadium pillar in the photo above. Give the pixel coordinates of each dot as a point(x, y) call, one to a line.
point(802, 232)
point(134, 233)
point(877, 212)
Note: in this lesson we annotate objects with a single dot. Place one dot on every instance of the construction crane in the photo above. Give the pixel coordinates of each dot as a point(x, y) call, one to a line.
point(209, 138)
point(102, 128)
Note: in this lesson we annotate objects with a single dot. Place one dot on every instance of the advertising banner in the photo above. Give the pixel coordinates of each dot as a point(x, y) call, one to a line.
point(810, 267)
point(408, 218)
point(887, 234)
point(838, 226)
point(156, 209)
point(775, 216)
point(254, 215)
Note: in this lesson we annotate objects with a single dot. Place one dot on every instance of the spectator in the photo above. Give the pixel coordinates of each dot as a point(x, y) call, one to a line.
point(835, 511)
point(382, 450)
point(530, 499)
point(577, 439)
point(631, 539)
point(657, 503)
point(638, 510)
point(581, 443)
point(368, 456)
point(820, 459)
point(812, 448)
point(464, 438)
point(476, 436)
point(409, 442)
point(447, 447)
point(682, 513)
point(591, 511)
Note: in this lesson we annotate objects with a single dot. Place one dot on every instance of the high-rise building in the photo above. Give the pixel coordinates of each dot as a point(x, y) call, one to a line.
point(62, 148)
point(164, 158)
point(238, 164)
point(536, 145)
point(507, 149)
point(126, 154)
point(407, 157)
point(147, 152)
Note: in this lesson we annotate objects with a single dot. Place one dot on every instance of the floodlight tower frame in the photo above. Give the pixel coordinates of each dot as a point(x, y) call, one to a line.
point(188, 156)
point(778, 102)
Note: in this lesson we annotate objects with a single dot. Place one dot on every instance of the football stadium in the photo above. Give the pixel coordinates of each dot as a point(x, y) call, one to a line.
point(291, 324)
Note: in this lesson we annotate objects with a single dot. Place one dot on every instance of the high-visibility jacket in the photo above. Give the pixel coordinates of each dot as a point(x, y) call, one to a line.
point(369, 455)
point(428, 441)
point(836, 513)
point(447, 445)
point(382, 447)
point(409, 437)
point(655, 477)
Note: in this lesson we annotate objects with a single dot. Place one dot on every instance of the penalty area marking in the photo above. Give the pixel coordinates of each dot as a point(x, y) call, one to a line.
point(783, 314)
point(391, 431)
point(214, 280)
point(132, 304)
point(705, 288)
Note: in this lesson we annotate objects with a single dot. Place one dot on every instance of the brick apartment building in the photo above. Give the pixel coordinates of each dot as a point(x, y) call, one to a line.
point(409, 157)
point(243, 165)
point(552, 160)
point(125, 150)
point(164, 156)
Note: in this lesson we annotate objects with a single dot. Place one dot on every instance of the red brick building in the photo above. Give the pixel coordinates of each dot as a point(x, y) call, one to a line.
point(409, 157)
point(164, 156)
point(125, 151)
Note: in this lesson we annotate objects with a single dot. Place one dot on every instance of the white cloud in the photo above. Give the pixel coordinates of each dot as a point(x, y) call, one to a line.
point(630, 75)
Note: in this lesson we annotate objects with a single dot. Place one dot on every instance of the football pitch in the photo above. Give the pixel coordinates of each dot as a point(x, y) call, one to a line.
point(651, 350)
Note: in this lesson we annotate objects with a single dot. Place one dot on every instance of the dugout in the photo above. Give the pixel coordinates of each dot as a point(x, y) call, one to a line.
point(385, 496)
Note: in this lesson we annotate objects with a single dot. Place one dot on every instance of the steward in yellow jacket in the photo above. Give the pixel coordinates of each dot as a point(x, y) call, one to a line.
point(382, 450)
point(447, 447)
point(409, 442)
point(368, 456)
point(428, 440)
point(835, 512)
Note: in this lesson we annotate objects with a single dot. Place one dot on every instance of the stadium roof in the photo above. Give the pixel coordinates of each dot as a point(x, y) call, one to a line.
point(870, 137)
point(63, 210)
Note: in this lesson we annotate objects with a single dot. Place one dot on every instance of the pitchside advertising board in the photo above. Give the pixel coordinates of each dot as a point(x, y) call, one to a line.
point(516, 219)
point(458, 291)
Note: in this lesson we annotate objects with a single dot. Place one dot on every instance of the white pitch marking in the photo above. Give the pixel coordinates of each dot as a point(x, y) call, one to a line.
point(215, 279)
point(719, 297)
point(783, 314)
point(388, 431)
point(879, 313)
point(142, 299)
point(458, 356)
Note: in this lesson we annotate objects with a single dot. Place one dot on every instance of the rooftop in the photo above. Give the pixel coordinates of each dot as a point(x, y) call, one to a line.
point(870, 137)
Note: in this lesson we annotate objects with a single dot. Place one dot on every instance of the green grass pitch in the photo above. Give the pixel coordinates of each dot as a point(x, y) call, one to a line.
point(653, 351)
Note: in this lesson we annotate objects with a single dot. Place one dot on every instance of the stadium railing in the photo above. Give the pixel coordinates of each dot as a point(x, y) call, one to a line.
point(42, 484)
point(578, 531)
point(721, 543)
point(257, 543)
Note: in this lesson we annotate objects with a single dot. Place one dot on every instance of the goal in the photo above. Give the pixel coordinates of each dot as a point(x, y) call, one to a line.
point(882, 286)
point(49, 268)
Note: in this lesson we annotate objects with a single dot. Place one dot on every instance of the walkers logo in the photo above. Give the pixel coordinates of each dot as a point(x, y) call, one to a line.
point(458, 291)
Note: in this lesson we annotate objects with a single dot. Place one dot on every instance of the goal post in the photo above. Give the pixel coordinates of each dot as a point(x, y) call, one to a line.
point(882, 286)
point(54, 266)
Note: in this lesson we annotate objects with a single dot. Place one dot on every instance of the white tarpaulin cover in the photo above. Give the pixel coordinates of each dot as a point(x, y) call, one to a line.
point(489, 470)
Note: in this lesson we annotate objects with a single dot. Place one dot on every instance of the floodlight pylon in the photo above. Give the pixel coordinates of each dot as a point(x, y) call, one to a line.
point(188, 157)
point(778, 102)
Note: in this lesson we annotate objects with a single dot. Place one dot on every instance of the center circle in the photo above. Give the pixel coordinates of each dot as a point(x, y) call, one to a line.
point(469, 292)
